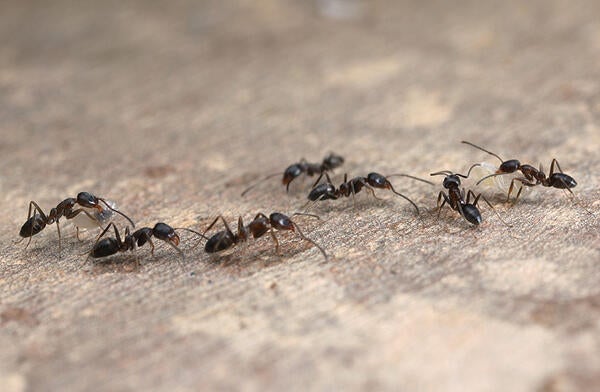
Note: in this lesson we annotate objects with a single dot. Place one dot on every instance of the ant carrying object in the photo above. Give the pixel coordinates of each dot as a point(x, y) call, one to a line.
point(38, 221)
point(532, 176)
point(456, 198)
point(109, 246)
point(260, 225)
point(330, 162)
point(327, 191)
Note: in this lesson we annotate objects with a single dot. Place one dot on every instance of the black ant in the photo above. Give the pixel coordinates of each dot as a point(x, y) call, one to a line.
point(330, 162)
point(532, 175)
point(38, 221)
point(456, 198)
point(260, 225)
point(109, 246)
point(327, 191)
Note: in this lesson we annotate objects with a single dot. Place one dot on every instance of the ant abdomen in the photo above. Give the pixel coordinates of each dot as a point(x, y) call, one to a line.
point(32, 226)
point(105, 247)
point(562, 181)
point(472, 214)
point(220, 241)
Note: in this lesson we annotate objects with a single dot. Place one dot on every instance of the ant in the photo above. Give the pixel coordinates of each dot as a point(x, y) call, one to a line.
point(260, 225)
point(38, 221)
point(532, 175)
point(330, 162)
point(162, 231)
point(456, 198)
point(327, 191)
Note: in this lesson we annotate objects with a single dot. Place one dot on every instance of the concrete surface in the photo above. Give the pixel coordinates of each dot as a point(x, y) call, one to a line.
point(172, 108)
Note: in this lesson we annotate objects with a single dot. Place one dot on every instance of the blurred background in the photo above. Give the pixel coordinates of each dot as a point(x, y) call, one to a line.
point(172, 108)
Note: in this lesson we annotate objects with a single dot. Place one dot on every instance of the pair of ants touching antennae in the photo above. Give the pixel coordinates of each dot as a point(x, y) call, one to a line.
point(327, 190)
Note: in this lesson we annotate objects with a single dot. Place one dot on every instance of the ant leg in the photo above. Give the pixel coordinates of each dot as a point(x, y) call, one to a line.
point(554, 161)
point(276, 241)
point(446, 200)
point(117, 236)
point(370, 189)
point(510, 189)
point(491, 206)
point(305, 238)
point(59, 239)
point(151, 245)
point(524, 182)
point(215, 221)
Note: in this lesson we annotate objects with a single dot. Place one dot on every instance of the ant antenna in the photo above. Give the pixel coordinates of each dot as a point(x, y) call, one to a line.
point(442, 173)
point(117, 211)
point(488, 176)
point(309, 240)
point(305, 214)
point(449, 173)
point(258, 182)
point(191, 231)
point(406, 198)
point(409, 176)
point(482, 149)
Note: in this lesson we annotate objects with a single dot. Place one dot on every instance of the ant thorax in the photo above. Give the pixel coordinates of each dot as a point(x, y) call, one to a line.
point(499, 183)
point(83, 222)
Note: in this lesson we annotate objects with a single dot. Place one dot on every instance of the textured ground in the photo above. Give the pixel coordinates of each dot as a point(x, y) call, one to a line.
point(172, 108)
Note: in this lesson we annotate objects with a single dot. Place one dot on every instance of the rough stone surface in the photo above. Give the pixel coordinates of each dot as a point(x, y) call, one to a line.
point(172, 108)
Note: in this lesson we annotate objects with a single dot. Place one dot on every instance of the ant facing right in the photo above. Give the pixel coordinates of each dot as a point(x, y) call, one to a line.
point(295, 170)
point(39, 220)
point(109, 246)
point(260, 225)
point(456, 198)
point(532, 176)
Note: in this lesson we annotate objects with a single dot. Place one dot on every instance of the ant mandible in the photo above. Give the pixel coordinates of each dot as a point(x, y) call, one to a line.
point(260, 225)
point(456, 198)
point(532, 175)
point(327, 191)
point(38, 221)
point(330, 162)
point(109, 246)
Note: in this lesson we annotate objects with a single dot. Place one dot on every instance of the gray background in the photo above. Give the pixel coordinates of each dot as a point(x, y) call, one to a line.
point(172, 108)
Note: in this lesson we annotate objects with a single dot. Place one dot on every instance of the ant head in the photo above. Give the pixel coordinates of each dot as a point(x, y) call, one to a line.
point(291, 172)
point(332, 161)
point(164, 232)
point(472, 214)
point(281, 222)
point(377, 180)
point(86, 199)
point(509, 166)
point(451, 181)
